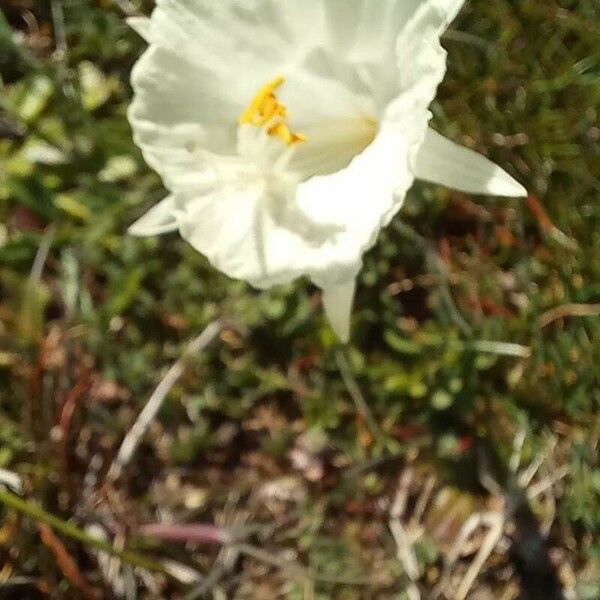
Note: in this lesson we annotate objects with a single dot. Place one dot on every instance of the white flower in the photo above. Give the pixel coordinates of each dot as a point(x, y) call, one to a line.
point(289, 131)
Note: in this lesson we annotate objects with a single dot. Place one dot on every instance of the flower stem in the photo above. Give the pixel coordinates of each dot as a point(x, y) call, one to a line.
point(72, 531)
point(343, 363)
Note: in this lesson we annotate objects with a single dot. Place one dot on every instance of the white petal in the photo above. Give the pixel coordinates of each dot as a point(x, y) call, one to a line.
point(355, 42)
point(206, 62)
point(449, 8)
point(356, 28)
point(421, 65)
point(176, 111)
point(159, 219)
point(442, 161)
point(364, 197)
point(199, 75)
point(229, 227)
point(141, 25)
point(209, 59)
point(360, 199)
point(233, 44)
point(337, 302)
point(180, 108)
point(271, 235)
point(254, 234)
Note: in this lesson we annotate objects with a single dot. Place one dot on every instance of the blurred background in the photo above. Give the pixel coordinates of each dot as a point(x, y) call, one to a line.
point(452, 452)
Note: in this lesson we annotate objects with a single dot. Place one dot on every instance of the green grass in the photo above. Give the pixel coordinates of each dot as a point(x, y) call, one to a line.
point(265, 408)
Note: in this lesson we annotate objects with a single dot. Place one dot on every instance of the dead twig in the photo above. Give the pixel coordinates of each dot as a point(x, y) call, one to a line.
point(460, 547)
point(399, 505)
point(66, 563)
point(230, 518)
point(136, 433)
point(60, 36)
point(66, 417)
point(210, 583)
point(496, 523)
point(466, 531)
point(422, 502)
point(547, 226)
point(406, 553)
point(526, 476)
point(404, 543)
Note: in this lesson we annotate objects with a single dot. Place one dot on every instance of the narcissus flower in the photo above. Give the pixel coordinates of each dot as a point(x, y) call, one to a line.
point(288, 132)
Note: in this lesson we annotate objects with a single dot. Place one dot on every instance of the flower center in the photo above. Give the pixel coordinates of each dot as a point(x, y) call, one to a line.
point(267, 111)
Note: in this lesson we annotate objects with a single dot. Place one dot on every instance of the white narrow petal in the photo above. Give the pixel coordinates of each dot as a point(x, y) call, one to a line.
point(141, 25)
point(337, 301)
point(159, 219)
point(440, 160)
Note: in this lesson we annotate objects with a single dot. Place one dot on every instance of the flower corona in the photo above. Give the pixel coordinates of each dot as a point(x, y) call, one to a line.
point(264, 203)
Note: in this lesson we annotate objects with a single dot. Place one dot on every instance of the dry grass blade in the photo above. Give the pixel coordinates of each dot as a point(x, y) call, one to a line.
point(539, 488)
point(404, 543)
point(355, 393)
point(137, 432)
point(42, 254)
point(569, 310)
point(199, 533)
point(11, 480)
point(423, 501)
point(502, 348)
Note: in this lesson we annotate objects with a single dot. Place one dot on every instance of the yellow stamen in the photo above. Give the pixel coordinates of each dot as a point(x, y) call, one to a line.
point(265, 110)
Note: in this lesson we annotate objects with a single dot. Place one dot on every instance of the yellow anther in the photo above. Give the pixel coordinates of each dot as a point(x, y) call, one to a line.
point(265, 110)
